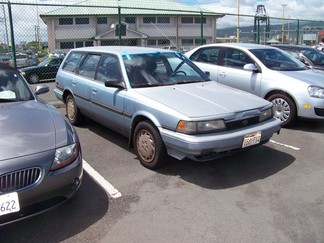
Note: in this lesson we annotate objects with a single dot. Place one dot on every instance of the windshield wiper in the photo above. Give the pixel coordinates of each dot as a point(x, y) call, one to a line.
point(189, 81)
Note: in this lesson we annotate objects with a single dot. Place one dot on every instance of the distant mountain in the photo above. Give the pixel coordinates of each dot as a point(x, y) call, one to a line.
point(247, 31)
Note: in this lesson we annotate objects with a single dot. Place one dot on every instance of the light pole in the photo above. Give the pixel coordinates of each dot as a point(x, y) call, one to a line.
point(238, 22)
point(283, 22)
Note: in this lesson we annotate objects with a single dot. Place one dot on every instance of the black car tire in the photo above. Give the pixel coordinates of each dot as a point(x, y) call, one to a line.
point(284, 109)
point(149, 146)
point(72, 111)
point(33, 79)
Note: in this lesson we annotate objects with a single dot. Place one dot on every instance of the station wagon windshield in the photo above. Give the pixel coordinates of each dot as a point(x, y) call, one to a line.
point(157, 69)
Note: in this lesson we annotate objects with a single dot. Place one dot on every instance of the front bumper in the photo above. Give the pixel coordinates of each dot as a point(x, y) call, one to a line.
point(53, 189)
point(204, 147)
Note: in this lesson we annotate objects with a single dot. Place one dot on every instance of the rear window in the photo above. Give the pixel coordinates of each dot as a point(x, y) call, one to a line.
point(72, 61)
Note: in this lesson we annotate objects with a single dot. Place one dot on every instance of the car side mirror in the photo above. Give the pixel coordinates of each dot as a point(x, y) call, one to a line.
point(41, 89)
point(250, 67)
point(115, 83)
point(207, 73)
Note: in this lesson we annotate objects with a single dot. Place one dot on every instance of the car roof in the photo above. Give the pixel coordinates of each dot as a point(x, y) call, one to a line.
point(121, 49)
point(241, 45)
point(295, 47)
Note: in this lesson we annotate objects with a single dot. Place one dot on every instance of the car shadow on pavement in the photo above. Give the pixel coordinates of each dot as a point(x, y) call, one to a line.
point(89, 206)
point(232, 171)
point(309, 126)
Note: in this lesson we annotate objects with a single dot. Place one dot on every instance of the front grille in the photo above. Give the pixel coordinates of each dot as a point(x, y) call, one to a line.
point(18, 180)
point(242, 123)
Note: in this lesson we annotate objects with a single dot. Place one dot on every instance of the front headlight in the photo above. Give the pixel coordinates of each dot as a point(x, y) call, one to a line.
point(265, 115)
point(193, 127)
point(316, 92)
point(65, 156)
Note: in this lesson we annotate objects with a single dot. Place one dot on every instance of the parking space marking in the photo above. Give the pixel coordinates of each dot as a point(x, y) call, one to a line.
point(285, 145)
point(112, 191)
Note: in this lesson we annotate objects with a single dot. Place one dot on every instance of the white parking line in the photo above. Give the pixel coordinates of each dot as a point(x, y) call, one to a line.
point(285, 145)
point(112, 191)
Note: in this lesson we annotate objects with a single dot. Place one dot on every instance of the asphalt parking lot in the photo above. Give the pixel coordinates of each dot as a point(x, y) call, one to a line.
point(272, 193)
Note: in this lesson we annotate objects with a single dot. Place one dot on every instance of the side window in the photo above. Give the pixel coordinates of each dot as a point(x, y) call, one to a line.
point(73, 61)
point(89, 66)
point(55, 62)
point(208, 55)
point(108, 68)
point(236, 58)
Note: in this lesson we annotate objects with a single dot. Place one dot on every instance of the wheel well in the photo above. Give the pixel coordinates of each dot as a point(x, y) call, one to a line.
point(137, 120)
point(283, 93)
point(65, 95)
point(279, 92)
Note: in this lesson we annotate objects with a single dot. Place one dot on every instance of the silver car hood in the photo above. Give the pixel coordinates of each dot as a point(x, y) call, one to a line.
point(204, 99)
point(25, 128)
point(310, 76)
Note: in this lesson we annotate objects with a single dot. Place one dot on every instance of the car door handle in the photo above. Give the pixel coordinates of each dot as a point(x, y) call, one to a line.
point(222, 74)
point(94, 91)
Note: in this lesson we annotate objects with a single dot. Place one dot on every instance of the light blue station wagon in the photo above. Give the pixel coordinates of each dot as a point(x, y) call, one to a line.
point(162, 102)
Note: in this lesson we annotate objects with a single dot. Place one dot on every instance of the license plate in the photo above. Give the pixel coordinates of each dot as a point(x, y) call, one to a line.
point(9, 203)
point(251, 139)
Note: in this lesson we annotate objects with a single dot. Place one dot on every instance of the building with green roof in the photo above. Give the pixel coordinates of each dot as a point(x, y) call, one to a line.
point(129, 22)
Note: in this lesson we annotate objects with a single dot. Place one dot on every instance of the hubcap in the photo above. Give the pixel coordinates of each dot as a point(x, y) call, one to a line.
point(281, 109)
point(145, 146)
point(70, 110)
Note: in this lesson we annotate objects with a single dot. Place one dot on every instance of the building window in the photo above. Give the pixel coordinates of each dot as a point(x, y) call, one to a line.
point(187, 42)
point(130, 20)
point(187, 20)
point(148, 20)
point(102, 20)
point(198, 41)
point(79, 44)
point(88, 43)
point(81, 20)
point(151, 42)
point(66, 45)
point(197, 20)
point(163, 20)
point(65, 21)
point(163, 42)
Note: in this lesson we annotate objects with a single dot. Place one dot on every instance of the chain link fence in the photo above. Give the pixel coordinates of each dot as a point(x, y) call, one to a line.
point(33, 33)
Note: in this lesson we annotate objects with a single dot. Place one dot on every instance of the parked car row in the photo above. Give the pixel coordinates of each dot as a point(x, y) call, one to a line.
point(306, 54)
point(22, 59)
point(159, 99)
point(295, 90)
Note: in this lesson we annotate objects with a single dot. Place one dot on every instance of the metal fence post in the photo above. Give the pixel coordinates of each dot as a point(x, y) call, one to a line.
point(119, 27)
point(12, 35)
point(201, 28)
point(297, 34)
